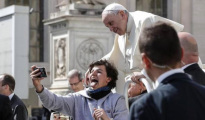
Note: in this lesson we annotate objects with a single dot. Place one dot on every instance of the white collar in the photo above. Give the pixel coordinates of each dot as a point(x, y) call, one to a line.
point(129, 23)
point(166, 74)
point(11, 96)
point(184, 67)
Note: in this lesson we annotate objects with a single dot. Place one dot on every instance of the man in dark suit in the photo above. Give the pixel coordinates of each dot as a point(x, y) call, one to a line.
point(7, 85)
point(5, 108)
point(191, 57)
point(176, 97)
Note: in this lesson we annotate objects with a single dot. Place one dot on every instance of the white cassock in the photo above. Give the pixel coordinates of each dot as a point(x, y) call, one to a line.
point(125, 52)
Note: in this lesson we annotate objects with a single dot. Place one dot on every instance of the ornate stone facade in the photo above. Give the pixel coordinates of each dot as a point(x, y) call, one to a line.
point(89, 51)
point(76, 41)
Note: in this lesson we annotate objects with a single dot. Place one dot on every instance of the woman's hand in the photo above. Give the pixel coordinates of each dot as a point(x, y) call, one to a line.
point(99, 114)
point(36, 81)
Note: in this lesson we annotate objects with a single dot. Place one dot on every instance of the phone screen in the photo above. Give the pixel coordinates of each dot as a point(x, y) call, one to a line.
point(43, 72)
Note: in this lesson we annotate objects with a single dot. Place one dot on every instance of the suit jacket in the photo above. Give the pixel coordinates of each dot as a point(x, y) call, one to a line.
point(5, 108)
point(19, 109)
point(196, 72)
point(176, 98)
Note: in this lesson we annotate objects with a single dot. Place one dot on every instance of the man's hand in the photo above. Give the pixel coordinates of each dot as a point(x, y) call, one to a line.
point(36, 81)
point(99, 114)
point(136, 77)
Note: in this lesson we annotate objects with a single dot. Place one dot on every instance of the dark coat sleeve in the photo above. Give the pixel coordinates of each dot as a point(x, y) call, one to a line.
point(6, 111)
point(8, 114)
point(139, 112)
point(20, 113)
point(197, 73)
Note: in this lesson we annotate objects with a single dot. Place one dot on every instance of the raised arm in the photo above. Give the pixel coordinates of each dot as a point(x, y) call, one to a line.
point(63, 104)
point(36, 81)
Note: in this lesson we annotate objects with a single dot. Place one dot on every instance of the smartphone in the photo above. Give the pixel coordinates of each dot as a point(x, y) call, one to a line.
point(43, 72)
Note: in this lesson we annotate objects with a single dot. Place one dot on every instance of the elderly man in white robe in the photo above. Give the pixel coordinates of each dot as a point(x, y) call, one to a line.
point(128, 26)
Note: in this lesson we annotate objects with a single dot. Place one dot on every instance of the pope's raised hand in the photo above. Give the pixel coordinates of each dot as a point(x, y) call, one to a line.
point(136, 77)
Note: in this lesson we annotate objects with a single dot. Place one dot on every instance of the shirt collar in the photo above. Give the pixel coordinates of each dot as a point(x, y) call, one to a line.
point(184, 67)
point(11, 96)
point(167, 74)
point(129, 23)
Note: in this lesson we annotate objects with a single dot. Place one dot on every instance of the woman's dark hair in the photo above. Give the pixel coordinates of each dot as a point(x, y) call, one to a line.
point(110, 69)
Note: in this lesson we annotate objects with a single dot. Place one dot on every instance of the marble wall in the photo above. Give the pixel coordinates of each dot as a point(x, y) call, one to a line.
point(14, 27)
point(6, 44)
point(198, 25)
point(190, 13)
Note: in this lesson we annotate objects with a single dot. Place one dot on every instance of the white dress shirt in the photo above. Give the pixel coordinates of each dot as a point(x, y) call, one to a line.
point(11, 96)
point(184, 67)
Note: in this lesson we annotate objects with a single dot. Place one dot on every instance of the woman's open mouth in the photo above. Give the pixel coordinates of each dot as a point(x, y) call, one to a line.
point(93, 83)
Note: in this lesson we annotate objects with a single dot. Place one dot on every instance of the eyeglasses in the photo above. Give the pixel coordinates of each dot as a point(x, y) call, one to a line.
point(75, 83)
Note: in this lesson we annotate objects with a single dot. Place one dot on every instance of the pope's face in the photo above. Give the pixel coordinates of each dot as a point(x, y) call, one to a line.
point(116, 23)
point(98, 77)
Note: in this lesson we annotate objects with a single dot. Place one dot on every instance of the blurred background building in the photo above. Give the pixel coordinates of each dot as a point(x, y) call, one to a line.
point(61, 35)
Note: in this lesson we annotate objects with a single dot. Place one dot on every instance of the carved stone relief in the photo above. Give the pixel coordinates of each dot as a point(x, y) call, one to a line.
point(93, 2)
point(60, 58)
point(78, 7)
point(88, 52)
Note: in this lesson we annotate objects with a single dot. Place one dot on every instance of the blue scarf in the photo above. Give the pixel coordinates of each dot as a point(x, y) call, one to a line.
point(98, 93)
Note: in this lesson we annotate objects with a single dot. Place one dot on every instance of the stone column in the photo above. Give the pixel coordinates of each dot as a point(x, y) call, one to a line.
point(14, 29)
point(198, 27)
point(2, 4)
point(186, 16)
point(176, 10)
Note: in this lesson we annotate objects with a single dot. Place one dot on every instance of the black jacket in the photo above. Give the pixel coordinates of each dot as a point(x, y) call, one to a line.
point(19, 109)
point(197, 73)
point(176, 98)
point(5, 108)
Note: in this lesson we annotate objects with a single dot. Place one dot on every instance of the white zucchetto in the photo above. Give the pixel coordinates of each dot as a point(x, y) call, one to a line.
point(114, 6)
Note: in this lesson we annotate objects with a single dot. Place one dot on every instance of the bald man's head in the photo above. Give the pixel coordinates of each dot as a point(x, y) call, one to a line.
point(189, 44)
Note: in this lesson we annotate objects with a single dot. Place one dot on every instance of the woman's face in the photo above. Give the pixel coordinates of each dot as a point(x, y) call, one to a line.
point(98, 77)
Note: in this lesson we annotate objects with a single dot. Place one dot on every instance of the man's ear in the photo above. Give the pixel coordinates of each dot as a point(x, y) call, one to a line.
point(122, 13)
point(6, 86)
point(145, 60)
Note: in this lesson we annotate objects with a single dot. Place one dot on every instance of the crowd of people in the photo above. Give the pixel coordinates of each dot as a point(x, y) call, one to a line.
point(168, 57)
